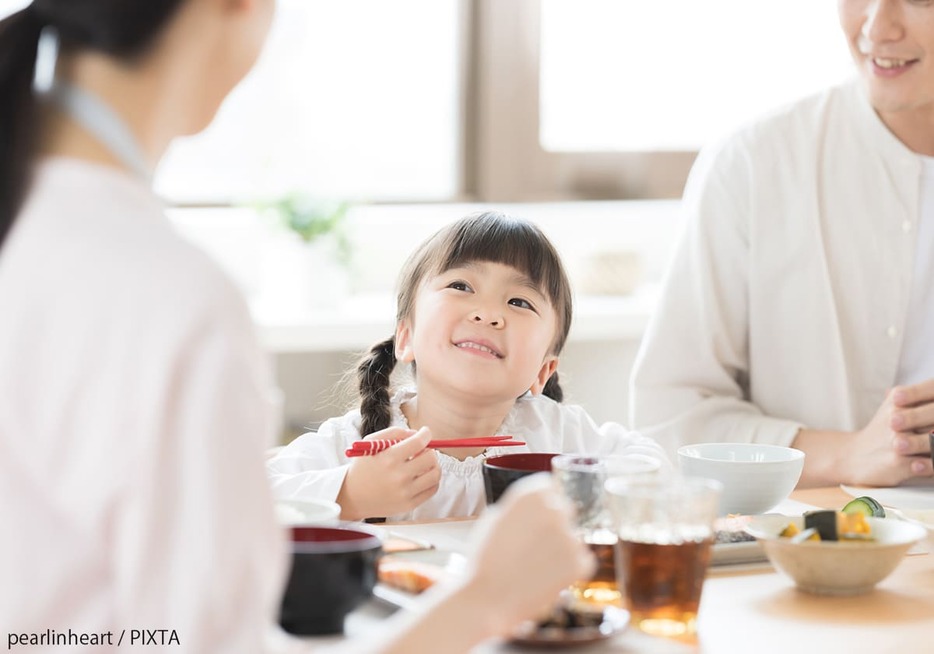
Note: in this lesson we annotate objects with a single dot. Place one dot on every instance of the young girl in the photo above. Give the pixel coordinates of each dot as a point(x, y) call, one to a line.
point(483, 312)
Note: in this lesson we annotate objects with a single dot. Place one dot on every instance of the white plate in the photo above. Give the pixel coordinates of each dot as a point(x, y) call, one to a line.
point(396, 598)
point(737, 553)
point(913, 494)
point(923, 517)
point(451, 563)
point(529, 634)
point(734, 553)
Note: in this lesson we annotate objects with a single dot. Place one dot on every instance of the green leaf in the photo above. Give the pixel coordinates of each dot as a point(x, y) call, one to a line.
point(311, 218)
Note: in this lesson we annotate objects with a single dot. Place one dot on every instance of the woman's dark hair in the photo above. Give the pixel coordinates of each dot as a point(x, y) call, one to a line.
point(120, 28)
point(489, 236)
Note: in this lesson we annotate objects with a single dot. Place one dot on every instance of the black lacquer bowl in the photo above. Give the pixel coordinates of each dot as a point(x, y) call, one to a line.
point(333, 572)
point(500, 471)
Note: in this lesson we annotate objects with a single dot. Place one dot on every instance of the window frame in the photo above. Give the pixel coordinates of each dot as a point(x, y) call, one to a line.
point(503, 156)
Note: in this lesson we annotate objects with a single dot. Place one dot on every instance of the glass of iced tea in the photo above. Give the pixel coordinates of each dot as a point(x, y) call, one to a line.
point(581, 478)
point(665, 531)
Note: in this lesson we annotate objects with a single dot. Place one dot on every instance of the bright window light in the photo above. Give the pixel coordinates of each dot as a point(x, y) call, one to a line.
point(356, 99)
point(673, 75)
point(351, 99)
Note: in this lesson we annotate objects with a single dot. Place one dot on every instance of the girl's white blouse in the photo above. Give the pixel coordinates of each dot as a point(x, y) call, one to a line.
point(314, 464)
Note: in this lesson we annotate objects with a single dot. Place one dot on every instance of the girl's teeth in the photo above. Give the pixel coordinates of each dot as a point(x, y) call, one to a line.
point(476, 346)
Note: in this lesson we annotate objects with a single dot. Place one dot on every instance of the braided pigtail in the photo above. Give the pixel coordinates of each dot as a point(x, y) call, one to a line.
point(553, 389)
point(373, 373)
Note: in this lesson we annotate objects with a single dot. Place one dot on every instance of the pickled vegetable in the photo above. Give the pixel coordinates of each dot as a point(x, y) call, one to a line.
point(824, 521)
point(790, 530)
point(829, 525)
point(865, 505)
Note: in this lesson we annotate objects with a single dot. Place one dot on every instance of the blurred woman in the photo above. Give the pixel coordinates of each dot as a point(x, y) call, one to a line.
point(128, 361)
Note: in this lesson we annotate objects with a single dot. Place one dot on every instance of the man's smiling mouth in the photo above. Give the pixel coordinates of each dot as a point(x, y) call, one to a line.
point(888, 63)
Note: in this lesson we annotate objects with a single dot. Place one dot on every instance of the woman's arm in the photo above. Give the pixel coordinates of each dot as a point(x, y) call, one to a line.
point(526, 555)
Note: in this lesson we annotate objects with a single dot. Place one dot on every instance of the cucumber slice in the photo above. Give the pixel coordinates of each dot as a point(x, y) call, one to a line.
point(865, 505)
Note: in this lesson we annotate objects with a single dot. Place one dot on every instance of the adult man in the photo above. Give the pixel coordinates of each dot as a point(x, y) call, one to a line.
point(797, 308)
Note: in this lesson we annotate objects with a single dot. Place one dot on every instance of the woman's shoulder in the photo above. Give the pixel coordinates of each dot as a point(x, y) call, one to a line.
point(124, 263)
point(112, 234)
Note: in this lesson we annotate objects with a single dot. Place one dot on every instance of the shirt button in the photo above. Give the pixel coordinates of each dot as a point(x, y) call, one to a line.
point(906, 226)
point(892, 331)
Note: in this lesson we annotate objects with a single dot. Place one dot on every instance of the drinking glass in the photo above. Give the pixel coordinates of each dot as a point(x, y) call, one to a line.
point(665, 532)
point(581, 478)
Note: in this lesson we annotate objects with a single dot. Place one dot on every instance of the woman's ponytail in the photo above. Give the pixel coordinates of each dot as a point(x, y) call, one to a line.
point(19, 119)
point(119, 28)
point(373, 374)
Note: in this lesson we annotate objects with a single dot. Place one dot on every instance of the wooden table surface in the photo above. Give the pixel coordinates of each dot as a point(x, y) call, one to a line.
point(759, 610)
point(764, 610)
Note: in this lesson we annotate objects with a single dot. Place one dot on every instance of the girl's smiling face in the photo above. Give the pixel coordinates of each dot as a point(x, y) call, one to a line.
point(482, 329)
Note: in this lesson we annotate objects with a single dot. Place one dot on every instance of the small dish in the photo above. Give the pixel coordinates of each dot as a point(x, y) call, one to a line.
point(450, 562)
point(733, 545)
point(836, 567)
point(725, 554)
point(531, 634)
point(427, 566)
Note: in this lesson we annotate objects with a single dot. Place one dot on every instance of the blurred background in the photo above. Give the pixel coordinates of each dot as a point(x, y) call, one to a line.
point(369, 124)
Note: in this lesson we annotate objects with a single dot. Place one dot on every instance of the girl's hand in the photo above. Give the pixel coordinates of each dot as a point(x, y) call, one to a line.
point(394, 481)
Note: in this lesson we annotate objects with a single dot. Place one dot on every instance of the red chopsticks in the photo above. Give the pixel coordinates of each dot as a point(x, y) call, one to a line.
point(367, 448)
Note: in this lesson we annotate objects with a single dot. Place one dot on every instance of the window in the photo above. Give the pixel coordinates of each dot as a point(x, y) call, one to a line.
point(499, 100)
point(351, 99)
point(354, 99)
point(612, 98)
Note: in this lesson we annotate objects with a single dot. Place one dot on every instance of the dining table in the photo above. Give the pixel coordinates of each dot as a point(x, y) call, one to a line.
point(750, 608)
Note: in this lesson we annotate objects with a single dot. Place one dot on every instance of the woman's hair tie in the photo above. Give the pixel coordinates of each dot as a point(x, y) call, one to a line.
point(46, 58)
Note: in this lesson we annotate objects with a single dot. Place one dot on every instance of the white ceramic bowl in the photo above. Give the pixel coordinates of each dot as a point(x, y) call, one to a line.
point(307, 512)
point(840, 567)
point(755, 477)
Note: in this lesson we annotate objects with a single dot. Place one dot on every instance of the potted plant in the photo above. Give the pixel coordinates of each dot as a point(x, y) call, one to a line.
point(307, 263)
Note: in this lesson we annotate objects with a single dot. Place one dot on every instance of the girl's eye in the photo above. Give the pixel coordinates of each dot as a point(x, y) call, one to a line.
point(459, 286)
point(522, 304)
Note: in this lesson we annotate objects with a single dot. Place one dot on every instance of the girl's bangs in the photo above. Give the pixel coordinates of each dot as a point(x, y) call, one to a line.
point(509, 242)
